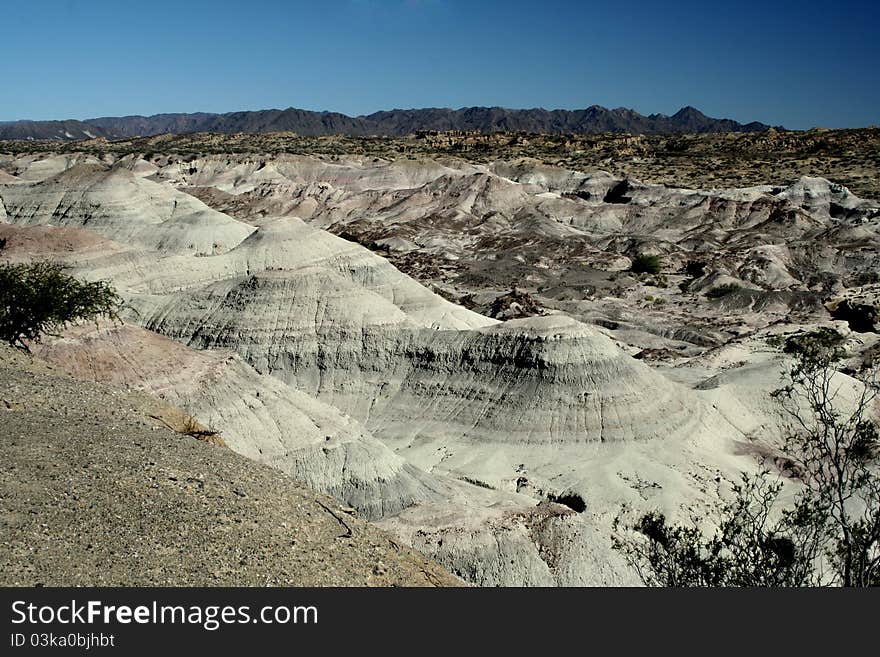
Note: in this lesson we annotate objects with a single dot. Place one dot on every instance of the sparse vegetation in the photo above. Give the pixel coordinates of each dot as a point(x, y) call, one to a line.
point(651, 158)
point(824, 344)
point(833, 452)
point(783, 155)
point(747, 548)
point(646, 264)
point(830, 535)
point(39, 298)
point(192, 428)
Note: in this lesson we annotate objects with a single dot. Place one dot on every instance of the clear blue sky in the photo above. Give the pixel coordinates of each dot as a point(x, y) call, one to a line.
point(798, 63)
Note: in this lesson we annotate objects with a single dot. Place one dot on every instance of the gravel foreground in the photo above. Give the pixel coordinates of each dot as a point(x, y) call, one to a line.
point(95, 491)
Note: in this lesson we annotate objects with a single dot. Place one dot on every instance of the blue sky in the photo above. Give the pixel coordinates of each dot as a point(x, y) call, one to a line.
point(795, 63)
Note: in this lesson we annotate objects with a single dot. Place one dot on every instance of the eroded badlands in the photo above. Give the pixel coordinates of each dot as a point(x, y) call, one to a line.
point(458, 351)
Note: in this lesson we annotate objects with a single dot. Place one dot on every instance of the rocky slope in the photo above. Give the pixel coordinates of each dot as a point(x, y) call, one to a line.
point(95, 491)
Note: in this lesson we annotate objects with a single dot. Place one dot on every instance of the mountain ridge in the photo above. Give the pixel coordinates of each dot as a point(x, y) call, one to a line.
point(391, 123)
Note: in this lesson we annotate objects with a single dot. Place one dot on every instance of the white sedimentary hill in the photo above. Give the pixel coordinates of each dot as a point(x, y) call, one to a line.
point(121, 206)
point(502, 449)
point(335, 320)
point(480, 229)
point(259, 416)
point(40, 166)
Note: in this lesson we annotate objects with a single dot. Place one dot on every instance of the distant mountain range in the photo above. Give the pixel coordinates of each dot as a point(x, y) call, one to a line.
point(392, 123)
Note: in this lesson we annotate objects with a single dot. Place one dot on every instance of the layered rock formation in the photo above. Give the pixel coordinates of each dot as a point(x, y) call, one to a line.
point(568, 238)
point(502, 449)
point(123, 207)
point(95, 491)
point(260, 417)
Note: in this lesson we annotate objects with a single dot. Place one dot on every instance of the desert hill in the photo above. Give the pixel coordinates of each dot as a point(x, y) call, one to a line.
point(98, 491)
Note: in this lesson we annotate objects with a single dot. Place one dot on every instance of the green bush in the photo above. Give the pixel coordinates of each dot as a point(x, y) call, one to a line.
point(821, 342)
point(827, 534)
point(748, 547)
point(39, 298)
point(647, 264)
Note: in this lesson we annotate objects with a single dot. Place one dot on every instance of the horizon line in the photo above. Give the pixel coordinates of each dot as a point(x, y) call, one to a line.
point(367, 115)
